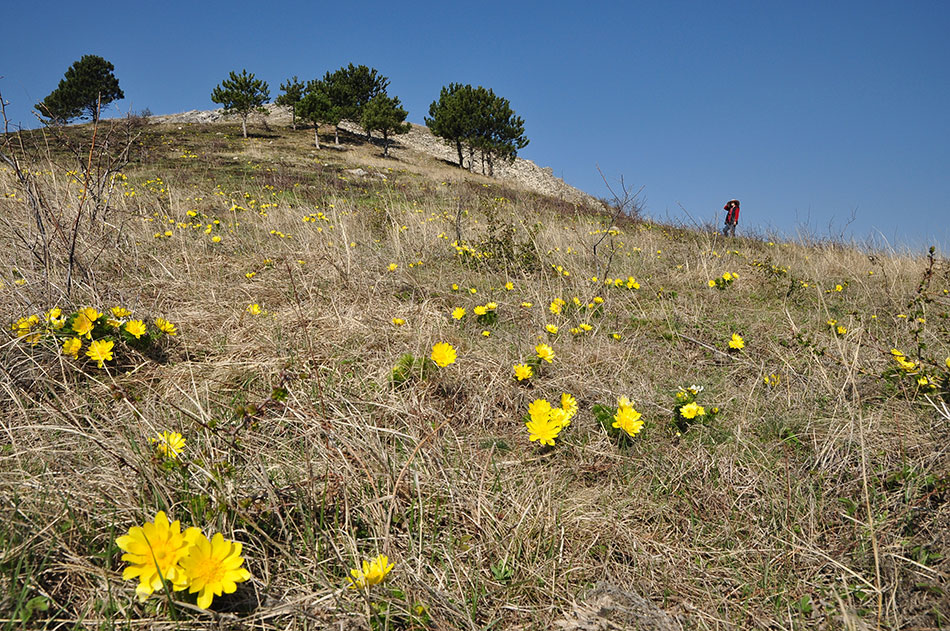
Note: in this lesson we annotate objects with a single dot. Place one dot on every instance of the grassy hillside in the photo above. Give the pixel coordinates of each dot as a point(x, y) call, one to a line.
point(811, 492)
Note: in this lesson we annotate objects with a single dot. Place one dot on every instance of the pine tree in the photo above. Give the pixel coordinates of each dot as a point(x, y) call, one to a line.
point(478, 119)
point(293, 91)
point(89, 85)
point(385, 115)
point(241, 94)
point(451, 117)
point(353, 88)
point(322, 103)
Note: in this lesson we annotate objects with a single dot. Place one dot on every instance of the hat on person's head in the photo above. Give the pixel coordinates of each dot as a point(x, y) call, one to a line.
point(733, 200)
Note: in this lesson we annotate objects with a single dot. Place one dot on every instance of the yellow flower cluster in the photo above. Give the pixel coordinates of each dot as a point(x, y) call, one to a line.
point(627, 418)
point(99, 329)
point(159, 550)
point(546, 421)
point(723, 281)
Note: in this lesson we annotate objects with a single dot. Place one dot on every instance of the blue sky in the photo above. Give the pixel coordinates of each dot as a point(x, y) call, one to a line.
point(808, 112)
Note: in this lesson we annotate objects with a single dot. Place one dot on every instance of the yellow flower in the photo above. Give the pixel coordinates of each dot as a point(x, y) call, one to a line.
point(539, 410)
point(526, 305)
point(545, 352)
point(559, 417)
point(840, 330)
point(598, 300)
point(455, 287)
point(584, 326)
point(254, 309)
point(212, 567)
point(569, 405)
point(443, 354)
point(550, 328)
point(458, 313)
point(169, 444)
point(153, 552)
point(91, 313)
point(542, 430)
point(216, 239)
point(165, 326)
point(692, 410)
point(491, 306)
point(71, 347)
point(392, 267)
point(627, 418)
point(486, 333)
point(398, 321)
point(83, 325)
point(509, 286)
point(480, 310)
point(100, 351)
point(523, 371)
point(838, 288)
point(736, 342)
point(711, 283)
point(616, 336)
point(555, 307)
point(373, 572)
point(727, 277)
point(136, 328)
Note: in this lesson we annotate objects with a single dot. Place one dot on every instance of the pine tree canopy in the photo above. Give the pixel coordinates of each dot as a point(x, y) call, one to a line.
point(88, 86)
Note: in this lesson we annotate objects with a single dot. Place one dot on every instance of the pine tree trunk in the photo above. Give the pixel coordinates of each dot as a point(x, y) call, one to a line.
point(244, 125)
point(336, 135)
point(385, 144)
point(293, 118)
point(316, 135)
point(458, 147)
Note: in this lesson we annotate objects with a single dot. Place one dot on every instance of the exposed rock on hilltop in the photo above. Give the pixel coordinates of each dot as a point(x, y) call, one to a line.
point(523, 172)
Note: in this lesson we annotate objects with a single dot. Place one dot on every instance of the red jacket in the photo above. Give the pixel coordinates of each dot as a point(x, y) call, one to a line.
point(732, 215)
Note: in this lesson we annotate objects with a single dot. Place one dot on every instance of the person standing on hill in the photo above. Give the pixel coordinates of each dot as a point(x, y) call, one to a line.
point(732, 217)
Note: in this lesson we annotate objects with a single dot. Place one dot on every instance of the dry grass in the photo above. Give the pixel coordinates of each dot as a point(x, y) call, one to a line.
point(817, 503)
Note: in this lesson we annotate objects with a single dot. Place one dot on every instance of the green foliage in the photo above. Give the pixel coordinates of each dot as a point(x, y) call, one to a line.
point(479, 120)
point(89, 85)
point(359, 85)
point(293, 90)
point(341, 95)
point(320, 103)
point(385, 115)
point(409, 368)
point(501, 572)
point(241, 94)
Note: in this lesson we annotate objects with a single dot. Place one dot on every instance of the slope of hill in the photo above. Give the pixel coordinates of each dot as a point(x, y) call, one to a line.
point(541, 417)
point(419, 140)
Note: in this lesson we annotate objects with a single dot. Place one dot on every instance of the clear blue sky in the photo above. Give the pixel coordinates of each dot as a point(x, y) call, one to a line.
point(806, 111)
